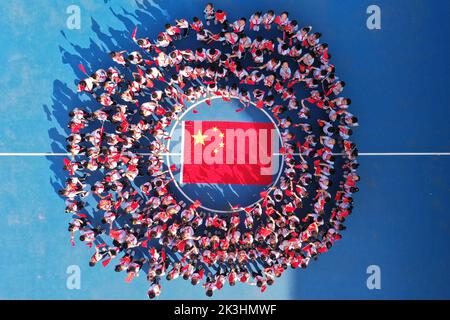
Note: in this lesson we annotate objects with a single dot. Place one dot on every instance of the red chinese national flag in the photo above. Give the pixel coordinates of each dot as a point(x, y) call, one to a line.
point(226, 152)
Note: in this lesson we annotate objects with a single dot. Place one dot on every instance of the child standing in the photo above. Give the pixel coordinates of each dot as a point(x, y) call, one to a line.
point(209, 13)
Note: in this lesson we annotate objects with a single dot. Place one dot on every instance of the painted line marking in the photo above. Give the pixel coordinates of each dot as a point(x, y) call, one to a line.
point(53, 154)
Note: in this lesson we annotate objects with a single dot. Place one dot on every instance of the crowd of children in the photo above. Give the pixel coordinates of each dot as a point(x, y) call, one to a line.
point(118, 152)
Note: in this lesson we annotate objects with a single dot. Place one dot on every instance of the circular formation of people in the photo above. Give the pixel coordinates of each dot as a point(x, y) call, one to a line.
point(119, 192)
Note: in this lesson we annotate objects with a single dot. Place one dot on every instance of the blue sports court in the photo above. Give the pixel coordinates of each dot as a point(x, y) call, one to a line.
point(396, 77)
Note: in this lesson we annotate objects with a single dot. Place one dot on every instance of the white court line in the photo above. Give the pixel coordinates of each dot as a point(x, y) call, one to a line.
point(33, 154)
point(405, 154)
point(52, 154)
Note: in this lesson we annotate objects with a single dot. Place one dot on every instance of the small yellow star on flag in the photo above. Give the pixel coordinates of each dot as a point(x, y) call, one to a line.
point(199, 138)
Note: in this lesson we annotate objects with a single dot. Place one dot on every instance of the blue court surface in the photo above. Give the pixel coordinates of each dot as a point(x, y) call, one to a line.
point(397, 78)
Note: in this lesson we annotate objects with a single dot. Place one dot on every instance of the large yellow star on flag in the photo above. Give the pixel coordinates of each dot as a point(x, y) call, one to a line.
point(199, 138)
